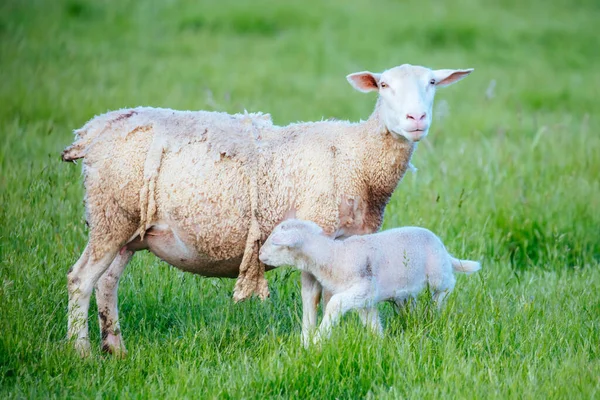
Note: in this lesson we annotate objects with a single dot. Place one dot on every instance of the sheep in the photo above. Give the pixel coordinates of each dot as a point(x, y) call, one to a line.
point(202, 190)
point(361, 271)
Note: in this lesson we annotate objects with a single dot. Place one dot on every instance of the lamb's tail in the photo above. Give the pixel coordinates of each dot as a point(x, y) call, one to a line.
point(465, 266)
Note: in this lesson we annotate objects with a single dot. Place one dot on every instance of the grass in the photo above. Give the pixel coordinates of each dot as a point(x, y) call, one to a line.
point(508, 175)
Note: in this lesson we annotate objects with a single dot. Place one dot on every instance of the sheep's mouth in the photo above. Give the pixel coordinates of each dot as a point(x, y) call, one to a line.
point(414, 135)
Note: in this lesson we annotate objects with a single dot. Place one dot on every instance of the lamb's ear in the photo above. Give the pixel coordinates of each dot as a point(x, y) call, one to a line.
point(445, 77)
point(364, 81)
point(287, 239)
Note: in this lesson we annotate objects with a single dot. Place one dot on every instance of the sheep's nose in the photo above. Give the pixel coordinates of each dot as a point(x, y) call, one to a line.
point(416, 116)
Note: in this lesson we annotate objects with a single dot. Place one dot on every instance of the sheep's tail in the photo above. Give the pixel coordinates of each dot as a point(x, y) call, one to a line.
point(87, 135)
point(465, 266)
point(77, 150)
point(84, 137)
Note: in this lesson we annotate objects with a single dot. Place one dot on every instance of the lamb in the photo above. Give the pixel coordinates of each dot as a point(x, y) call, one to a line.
point(361, 271)
point(202, 190)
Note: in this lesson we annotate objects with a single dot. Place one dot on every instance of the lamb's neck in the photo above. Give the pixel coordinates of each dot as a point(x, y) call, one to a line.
point(320, 252)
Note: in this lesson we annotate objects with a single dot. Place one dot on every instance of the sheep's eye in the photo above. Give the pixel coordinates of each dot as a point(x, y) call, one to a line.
point(383, 85)
point(432, 82)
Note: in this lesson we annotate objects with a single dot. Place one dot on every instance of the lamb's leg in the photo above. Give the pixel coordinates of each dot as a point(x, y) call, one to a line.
point(370, 317)
point(445, 287)
point(326, 297)
point(339, 305)
point(311, 295)
point(403, 305)
point(81, 280)
point(106, 297)
point(439, 297)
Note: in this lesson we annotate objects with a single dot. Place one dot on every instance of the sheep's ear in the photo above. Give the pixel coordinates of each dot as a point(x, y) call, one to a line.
point(287, 239)
point(445, 77)
point(364, 81)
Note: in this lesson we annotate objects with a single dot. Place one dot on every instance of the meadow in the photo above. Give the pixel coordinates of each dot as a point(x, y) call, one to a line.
point(509, 174)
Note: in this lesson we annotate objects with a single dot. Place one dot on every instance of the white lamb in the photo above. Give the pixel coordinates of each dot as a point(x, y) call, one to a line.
point(361, 271)
point(202, 190)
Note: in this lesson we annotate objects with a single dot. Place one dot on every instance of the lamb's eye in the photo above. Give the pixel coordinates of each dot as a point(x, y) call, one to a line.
point(383, 85)
point(432, 82)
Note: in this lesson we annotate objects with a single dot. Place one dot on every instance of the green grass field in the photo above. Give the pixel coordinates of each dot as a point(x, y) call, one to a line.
point(509, 174)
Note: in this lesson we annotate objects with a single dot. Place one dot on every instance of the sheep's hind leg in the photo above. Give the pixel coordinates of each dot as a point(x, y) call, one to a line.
point(81, 280)
point(107, 300)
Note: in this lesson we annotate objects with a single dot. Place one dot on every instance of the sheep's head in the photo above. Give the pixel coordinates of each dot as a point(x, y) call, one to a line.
point(284, 245)
point(406, 95)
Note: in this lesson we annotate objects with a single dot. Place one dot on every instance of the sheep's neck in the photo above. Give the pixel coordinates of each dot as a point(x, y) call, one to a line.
point(394, 149)
point(385, 160)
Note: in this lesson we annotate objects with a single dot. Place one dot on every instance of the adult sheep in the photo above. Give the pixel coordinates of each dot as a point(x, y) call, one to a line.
point(202, 190)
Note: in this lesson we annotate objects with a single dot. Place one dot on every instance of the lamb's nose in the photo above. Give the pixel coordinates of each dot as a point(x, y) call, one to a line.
point(416, 116)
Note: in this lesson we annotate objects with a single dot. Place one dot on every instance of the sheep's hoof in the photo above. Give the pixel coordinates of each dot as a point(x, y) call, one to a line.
point(113, 344)
point(82, 346)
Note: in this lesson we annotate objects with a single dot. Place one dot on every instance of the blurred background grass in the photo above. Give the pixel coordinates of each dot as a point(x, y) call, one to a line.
point(508, 174)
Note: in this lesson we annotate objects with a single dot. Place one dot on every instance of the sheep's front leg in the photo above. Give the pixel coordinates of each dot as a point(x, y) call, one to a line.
point(370, 318)
point(108, 313)
point(311, 295)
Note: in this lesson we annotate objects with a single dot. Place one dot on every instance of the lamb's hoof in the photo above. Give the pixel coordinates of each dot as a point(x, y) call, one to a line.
point(83, 347)
point(305, 341)
point(113, 344)
point(311, 340)
point(317, 340)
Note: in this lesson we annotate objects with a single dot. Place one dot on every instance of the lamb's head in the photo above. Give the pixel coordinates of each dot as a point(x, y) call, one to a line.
point(406, 95)
point(285, 244)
